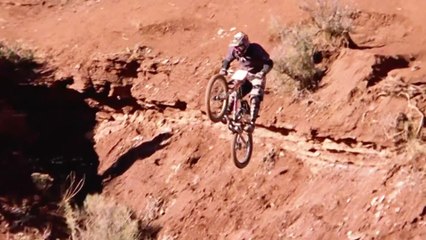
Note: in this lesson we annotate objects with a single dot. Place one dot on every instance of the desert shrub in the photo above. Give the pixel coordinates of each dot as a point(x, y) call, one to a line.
point(32, 234)
point(408, 136)
point(410, 142)
point(294, 56)
point(298, 46)
point(101, 218)
point(406, 131)
point(16, 54)
point(329, 16)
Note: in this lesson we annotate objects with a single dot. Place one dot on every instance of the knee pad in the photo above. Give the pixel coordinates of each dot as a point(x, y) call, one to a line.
point(256, 92)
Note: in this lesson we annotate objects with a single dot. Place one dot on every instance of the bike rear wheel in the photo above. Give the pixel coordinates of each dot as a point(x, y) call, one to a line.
point(217, 98)
point(242, 148)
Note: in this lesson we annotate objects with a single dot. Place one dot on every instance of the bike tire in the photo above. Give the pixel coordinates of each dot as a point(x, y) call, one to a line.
point(219, 80)
point(243, 162)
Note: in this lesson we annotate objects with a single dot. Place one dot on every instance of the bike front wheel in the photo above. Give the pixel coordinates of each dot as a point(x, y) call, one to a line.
point(242, 148)
point(217, 98)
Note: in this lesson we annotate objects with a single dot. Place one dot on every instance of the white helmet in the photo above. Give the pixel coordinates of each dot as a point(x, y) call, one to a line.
point(240, 42)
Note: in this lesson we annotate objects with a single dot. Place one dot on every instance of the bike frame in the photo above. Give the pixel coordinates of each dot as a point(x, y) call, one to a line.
point(237, 100)
point(235, 123)
point(242, 141)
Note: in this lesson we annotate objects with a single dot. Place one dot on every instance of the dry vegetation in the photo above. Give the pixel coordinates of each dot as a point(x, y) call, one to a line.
point(408, 126)
point(101, 218)
point(300, 47)
point(16, 55)
point(32, 234)
point(294, 56)
point(329, 16)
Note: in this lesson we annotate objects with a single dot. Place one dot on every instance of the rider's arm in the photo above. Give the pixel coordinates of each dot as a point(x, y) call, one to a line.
point(268, 64)
point(228, 59)
point(259, 53)
point(267, 61)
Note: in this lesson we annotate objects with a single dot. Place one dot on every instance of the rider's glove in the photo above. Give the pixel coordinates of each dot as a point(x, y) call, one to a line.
point(223, 71)
point(260, 75)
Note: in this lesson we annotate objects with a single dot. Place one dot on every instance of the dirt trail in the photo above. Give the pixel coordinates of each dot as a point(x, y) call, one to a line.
point(288, 139)
point(315, 150)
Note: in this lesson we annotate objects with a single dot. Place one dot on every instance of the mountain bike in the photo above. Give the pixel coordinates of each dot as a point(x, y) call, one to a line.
point(219, 93)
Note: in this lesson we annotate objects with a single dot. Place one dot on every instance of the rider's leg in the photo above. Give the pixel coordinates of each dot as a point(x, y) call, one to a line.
point(246, 87)
point(254, 108)
point(256, 97)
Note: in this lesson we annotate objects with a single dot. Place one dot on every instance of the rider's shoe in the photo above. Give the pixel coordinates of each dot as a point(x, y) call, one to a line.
point(224, 119)
point(249, 127)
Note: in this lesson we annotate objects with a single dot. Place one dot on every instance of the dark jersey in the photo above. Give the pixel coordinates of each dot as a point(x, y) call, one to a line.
point(254, 60)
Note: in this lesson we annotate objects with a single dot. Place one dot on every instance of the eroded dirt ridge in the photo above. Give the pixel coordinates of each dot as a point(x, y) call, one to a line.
point(55, 120)
point(107, 102)
point(320, 153)
point(108, 83)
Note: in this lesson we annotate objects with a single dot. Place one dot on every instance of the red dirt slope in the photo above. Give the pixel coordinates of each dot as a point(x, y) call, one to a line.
point(325, 166)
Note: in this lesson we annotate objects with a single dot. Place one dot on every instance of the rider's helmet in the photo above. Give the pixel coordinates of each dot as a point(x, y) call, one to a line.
point(240, 42)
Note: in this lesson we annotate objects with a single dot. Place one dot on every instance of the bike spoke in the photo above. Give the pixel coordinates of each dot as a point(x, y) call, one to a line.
point(242, 147)
point(238, 144)
point(241, 137)
point(218, 97)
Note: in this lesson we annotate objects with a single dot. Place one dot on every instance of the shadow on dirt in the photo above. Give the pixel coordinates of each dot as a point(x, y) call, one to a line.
point(42, 129)
point(48, 133)
point(140, 152)
point(384, 65)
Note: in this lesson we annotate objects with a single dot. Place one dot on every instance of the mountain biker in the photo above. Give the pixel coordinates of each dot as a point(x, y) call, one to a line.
point(253, 58)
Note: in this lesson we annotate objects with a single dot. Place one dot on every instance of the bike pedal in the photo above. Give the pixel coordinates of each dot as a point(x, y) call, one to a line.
point(234, 129)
